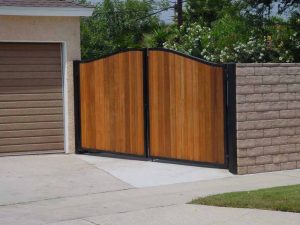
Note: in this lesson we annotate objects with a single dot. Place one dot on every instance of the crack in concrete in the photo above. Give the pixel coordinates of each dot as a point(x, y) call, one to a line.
point(88, 219)
point(85, 219)
point(63, 197)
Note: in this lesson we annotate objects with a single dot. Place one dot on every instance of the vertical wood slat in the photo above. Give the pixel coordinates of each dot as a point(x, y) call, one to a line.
point(111, 95)
point(186, 108)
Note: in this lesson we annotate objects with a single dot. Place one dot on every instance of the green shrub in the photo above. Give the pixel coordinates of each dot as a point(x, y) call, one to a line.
point(232, 39)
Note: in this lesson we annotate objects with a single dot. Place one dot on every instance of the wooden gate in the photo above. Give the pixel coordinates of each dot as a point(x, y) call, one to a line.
point(155, 103)
point(186, 108)
point(111, 110)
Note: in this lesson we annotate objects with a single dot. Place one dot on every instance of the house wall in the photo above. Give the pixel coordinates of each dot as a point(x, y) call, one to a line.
point(268, 117)
point(65, 30)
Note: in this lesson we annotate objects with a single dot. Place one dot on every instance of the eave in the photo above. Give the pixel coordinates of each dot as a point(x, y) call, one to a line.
point(45, 11)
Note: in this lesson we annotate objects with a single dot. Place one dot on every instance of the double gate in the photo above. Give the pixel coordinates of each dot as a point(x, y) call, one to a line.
point(154, 103)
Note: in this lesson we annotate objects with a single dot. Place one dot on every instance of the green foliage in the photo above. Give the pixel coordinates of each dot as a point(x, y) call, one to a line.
point(235, 35)
point(294, 25)
point(187, 39)
point(116, 25)
point(265, 8)
point(216, 30)
point(231, 40)
point(205, 11)
point(285, 198)
point(235, 40)
point(158, 37)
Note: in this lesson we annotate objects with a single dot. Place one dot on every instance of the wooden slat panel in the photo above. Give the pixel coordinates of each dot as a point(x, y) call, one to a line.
point(30, 111)
point(30, 90)
point(32, 147)
point(29, 126)
point(30, 68)
point(31, 104)
point(32, 97)
point(30, 75)
point(30, 47)
point(30, 82)
point(61, 151)
point(31, 133)
point(31, 140)
point(29, 54)
point(32, 118)
point(30, 61)
point(186, 108)
point(112, 103)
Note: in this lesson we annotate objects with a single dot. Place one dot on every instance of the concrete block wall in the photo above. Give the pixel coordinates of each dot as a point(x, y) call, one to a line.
point(268, 117)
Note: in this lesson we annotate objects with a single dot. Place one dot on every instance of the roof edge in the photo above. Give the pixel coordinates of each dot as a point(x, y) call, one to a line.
point(45, 11)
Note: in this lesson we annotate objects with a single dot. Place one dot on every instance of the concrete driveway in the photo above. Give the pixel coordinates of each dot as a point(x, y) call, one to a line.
point(85, 190)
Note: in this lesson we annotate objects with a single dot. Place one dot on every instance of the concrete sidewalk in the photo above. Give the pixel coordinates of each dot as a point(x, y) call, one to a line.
point(63, 189)
point(191, 215)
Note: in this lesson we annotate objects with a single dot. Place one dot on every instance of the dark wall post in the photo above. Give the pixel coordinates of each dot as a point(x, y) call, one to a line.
point(231, 117)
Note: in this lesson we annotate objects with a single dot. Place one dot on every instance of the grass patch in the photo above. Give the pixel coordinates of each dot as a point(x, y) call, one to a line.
point(286, 198)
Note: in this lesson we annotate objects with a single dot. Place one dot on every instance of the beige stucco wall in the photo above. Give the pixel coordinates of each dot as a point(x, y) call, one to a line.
point(65, 30)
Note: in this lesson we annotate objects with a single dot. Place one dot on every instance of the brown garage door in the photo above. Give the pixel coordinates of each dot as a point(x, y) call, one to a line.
point(31, 103)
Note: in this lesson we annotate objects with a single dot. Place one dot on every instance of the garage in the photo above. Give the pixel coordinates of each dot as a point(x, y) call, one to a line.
point(31, 98)
point(39, 40)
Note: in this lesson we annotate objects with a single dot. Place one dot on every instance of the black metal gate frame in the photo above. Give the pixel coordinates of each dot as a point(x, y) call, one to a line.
point(229, 113)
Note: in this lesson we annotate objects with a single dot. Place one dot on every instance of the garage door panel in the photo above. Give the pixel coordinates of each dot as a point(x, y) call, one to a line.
point(31, 140)
point(31, 126)
point(30, 61)
point(33, 97)
point(29, 90)
point(32, 147)
point(32, 118)
point(30, 47)
point(29, 54)
point(30, 111)
point(31, 133)
point(29, 75)
point(31, 104)
point(30, 68)
point(30, 83)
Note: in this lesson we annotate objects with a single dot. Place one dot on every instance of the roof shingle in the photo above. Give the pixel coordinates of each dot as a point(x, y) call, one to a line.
point(41, 3)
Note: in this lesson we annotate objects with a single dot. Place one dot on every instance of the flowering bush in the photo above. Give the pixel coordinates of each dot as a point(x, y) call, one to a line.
point(230, 40)
point(187, 39)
